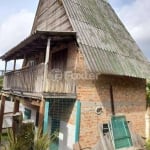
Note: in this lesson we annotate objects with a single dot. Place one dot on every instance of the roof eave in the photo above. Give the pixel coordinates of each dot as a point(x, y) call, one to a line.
point(34, 36)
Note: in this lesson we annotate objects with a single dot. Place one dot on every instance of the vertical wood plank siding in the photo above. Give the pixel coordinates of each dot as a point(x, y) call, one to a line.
point(31, 80)
point(60, 85)
point(28, 79)
point(52, 16)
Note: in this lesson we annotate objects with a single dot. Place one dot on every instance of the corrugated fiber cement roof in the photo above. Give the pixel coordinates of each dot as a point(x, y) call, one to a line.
point(107, 46)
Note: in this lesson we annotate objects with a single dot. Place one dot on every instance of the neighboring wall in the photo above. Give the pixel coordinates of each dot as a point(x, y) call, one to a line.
point(129, 100)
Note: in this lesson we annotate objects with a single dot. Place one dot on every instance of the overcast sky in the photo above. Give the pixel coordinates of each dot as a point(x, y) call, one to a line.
point(16, 19)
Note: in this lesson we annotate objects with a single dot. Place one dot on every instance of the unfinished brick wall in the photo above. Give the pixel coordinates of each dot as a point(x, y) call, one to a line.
point(129, 99)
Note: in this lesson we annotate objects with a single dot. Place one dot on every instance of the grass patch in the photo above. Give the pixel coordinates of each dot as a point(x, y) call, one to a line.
point(1, 82)
point(148, 144)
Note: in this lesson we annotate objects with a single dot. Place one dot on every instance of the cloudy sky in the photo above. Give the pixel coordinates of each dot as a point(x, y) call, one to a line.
point(16, 18)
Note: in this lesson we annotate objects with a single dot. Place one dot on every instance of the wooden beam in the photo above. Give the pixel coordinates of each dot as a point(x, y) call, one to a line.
point(47, 51)
point(2, 108)
point(16, 106)
point(5, 66)
point(58, 48)
point(47, 56)
point(32, 104)
point(15, 110)
point(14, 65)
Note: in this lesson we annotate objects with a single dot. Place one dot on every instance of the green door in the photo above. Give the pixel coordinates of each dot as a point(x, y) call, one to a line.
point(120, 132)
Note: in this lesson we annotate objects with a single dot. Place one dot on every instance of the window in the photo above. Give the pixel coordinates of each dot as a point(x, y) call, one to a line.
point(27, 114)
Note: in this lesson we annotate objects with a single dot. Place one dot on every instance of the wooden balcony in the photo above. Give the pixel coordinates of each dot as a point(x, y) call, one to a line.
point(27, 79)
point(32, 80)
point(56, 83)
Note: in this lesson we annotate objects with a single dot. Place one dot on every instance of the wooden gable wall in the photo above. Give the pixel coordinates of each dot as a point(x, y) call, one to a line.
point(51, 16)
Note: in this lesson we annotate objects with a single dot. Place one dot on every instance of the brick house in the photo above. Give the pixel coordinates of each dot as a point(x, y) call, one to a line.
point(78, 59)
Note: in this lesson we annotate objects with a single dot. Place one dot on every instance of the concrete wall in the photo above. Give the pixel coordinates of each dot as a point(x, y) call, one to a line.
point(66, 136)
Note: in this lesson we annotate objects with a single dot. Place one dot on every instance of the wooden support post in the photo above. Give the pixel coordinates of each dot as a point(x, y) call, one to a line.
point(15, 110)
point(5, 66)
point(41, 114)
point(16, 106)
point(46, 64)
point(2, 108)
point(47, 51)
point(14, 65)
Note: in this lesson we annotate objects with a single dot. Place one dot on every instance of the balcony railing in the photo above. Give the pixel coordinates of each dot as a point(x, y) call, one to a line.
point(2, 72)
point(58, 83)
point(32, 80)
point(27, 79)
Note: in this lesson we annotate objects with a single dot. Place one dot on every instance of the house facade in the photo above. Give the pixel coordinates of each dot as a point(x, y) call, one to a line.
point(80, 67)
